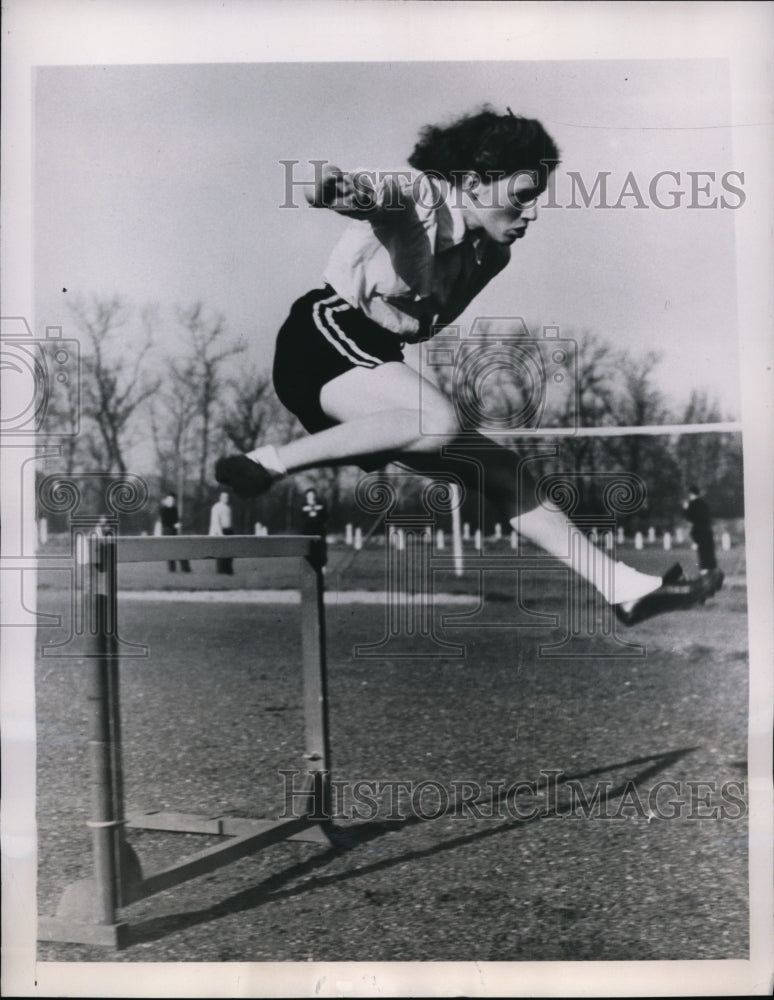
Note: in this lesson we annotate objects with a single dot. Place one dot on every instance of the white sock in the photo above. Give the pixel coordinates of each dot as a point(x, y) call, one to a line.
point(630, 585)
point(268, 457)
point(616, 582)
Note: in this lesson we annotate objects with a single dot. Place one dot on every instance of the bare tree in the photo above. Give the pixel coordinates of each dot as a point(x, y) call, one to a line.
point(252, 410)
point(173, 412)
point(599, 386)
point(201, 371)
point(253, 415)
point(588, 400)
point(61, 435)
point(114, 380)
point(713, 461)
point(640, 403)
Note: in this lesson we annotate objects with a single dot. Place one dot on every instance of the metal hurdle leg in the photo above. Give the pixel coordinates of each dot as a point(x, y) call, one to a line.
point(88, 909)
point(315, 681)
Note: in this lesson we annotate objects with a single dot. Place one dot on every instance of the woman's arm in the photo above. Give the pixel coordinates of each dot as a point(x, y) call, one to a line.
point(355, 194)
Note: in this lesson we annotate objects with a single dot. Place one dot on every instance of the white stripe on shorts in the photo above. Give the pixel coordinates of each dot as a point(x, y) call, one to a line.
point(333, 333)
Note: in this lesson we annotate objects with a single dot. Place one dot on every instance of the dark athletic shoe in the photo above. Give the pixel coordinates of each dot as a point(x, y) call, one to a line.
point(244, 476)
point(674, 594)
point(713, 580)
point(674, 574)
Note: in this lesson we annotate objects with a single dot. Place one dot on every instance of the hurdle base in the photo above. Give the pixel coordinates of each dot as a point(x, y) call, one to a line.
point(77, 920)
point(59, 930)
point(217, 826)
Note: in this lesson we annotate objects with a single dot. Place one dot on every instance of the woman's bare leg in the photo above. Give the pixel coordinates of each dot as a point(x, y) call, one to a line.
point(388, 409)
point(392, 410)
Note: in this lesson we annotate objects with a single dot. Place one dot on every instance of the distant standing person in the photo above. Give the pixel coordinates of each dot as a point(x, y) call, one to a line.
point(315, 519)
point(170, 525)
point(698, 513)
point(221, 524)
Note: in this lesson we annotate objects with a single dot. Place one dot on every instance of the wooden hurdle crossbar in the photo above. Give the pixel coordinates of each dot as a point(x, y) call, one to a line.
point(89, 909)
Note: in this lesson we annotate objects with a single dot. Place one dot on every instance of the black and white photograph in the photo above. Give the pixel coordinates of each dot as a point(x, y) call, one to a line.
point(387, 536)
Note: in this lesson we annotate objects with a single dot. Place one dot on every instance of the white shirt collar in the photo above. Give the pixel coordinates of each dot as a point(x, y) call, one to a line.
point(452, 229)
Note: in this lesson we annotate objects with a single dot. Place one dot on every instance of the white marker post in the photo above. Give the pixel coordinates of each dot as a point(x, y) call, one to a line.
point(456, 502)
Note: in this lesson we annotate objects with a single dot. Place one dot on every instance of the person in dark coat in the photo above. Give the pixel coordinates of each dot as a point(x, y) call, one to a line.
point(170, 525)
point(697, 512)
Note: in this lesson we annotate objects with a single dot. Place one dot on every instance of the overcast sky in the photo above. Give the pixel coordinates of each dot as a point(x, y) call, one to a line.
point(164, 184)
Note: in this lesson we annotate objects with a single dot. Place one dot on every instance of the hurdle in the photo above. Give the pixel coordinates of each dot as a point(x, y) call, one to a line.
point(89, 910)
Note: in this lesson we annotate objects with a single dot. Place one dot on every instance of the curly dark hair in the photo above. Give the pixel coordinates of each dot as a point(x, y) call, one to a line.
point(488, 144)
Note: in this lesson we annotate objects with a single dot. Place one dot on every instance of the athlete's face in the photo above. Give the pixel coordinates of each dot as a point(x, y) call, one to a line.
point(502, 209)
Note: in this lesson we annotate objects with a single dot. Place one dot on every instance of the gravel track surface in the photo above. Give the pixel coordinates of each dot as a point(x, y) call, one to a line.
point(213, 715)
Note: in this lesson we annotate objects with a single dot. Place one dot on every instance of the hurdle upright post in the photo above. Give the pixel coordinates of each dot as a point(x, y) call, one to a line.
point(106, 821)
point(88, 909)
point(315, 681)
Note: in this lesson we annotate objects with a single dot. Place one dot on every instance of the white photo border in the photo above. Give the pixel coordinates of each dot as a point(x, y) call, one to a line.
point(96, 32)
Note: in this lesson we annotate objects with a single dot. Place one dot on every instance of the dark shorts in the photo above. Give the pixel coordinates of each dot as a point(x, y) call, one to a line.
point(323, 337)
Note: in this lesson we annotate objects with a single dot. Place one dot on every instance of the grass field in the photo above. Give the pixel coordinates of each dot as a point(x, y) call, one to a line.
point(350, 570)
point(213, 714)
